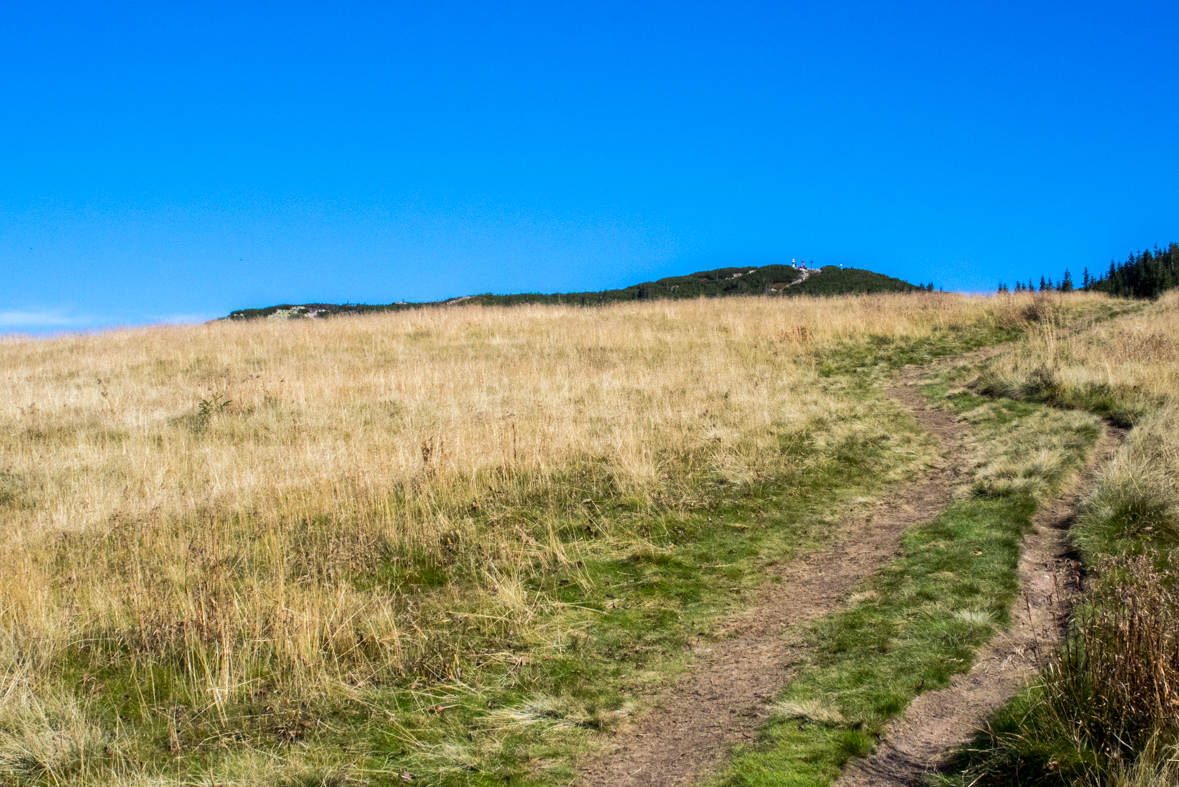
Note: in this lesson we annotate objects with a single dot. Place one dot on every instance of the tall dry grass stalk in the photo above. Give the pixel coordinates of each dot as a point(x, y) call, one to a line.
point(1126, 366)
point(1128, 369)
point(1122, 663)
point(1108, 709)
point(217, 498)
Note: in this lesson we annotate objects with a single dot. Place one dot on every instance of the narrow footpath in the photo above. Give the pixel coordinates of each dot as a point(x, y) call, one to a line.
point(723, 699)
point(938, 722)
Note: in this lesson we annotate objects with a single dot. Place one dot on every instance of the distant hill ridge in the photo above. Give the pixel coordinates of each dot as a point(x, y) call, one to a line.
point(771, 280)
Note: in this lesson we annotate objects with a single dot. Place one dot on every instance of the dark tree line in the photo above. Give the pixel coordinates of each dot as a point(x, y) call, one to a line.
point(1144, 275)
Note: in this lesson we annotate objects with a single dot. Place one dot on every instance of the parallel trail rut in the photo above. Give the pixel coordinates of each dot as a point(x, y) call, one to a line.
point(723, 699)
point(937, 722)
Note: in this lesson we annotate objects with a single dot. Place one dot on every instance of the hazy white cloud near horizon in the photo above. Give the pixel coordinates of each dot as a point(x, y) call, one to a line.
point(41, 321)
point(39, 318)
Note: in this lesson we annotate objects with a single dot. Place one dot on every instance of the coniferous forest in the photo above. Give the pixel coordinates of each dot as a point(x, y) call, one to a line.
point(1147, 274)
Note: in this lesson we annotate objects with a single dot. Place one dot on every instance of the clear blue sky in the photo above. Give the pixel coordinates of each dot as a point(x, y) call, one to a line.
point(172, 161)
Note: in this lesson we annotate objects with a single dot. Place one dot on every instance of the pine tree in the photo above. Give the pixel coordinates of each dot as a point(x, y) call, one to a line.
point(1066, 284)
point(1145, 274)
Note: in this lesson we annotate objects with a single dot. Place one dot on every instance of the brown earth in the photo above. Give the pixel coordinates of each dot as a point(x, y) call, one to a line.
point(939, 721)
point(688, 729)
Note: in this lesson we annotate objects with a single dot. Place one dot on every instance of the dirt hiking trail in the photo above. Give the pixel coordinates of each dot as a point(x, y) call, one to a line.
point(688, 729)
point(939, 721)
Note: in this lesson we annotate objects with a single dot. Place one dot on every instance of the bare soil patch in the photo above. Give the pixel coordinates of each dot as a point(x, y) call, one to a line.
point(689, 728)
point(939, 721)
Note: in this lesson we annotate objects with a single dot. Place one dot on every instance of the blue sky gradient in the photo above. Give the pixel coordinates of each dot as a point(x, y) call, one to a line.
point(171, 162)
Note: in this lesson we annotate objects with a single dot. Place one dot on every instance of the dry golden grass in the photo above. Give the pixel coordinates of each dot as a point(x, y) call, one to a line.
point(1135, 358)
point(1104, 713)
point(1129, 369)
point(214, 497)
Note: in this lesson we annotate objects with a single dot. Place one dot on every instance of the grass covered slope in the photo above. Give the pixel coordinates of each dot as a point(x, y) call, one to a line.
point(922, 619)
point(721, 282)
point(451, 544)
point(1105, 711)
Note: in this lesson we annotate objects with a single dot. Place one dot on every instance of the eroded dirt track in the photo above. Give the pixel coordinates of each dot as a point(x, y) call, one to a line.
point(939, 721)
point(723, 699)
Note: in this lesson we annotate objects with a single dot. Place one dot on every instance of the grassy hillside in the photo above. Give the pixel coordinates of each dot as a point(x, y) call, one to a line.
point(447, 546)
point(464, 546)
point(1104, 711)
point(721, 282)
